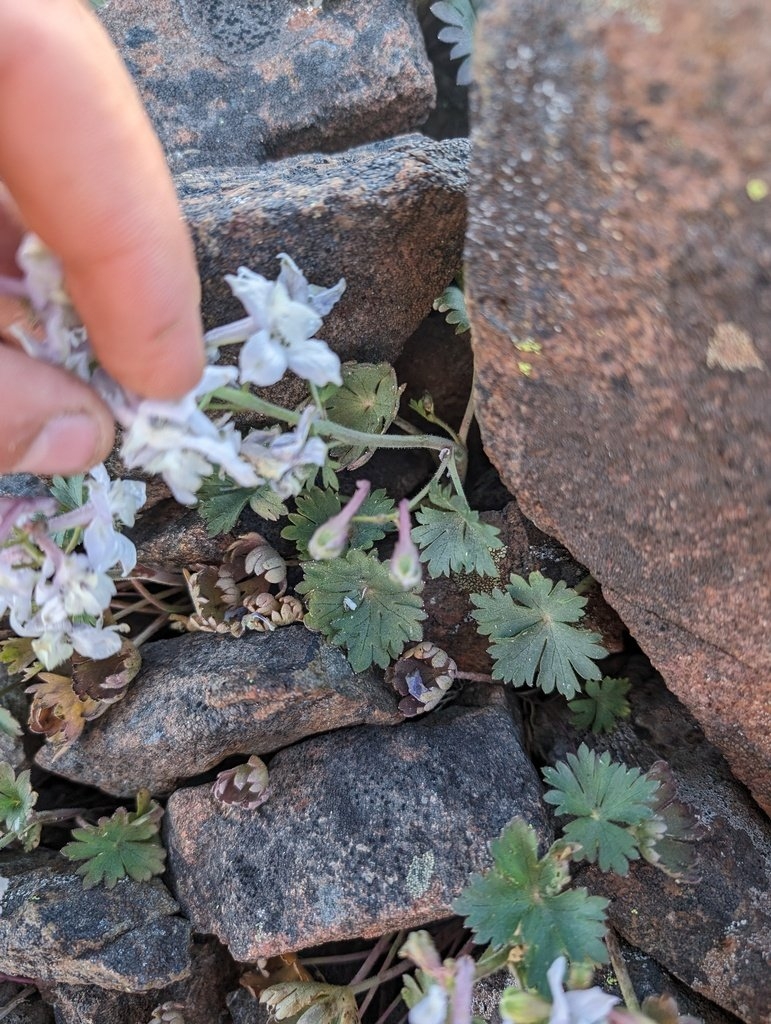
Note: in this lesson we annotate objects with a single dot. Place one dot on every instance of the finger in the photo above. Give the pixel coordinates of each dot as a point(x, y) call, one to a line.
point(79, 156)
point(50, 422)
point(11, 232)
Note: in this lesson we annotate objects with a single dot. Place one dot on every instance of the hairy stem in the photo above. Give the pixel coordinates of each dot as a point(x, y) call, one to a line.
point(622, 974)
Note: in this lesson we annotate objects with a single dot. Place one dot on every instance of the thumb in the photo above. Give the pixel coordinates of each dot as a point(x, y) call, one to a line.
point(50, 422)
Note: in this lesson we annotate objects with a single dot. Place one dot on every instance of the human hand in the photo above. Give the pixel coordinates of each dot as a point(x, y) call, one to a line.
point(83, 169)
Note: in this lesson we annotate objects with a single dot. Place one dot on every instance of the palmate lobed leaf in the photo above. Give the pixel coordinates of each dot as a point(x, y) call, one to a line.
point(221, 502)
point(452, 538)
point(603, 798)
point(534, 642)
point(367, 400)
point(316, 506)
point(452, 301)
point(125, 844)
point(311, 1002)
point(17, 798)
point(602, 706)
point(356, 604)
point(523, 900)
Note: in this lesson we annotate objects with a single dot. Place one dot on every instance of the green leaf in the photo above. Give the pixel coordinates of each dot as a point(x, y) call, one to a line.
point(367, 400)
point(533, 641)
point(311, 1002)
point(452, 538)
point(602, 798)
point(604, 704)
point(670, 839)
point(8, 724)
point(125, 844)
point(17, 655)
point(315, 507)
point(221, 502)
point(17, 798)
point(452, 301)
point(522, 900)
point(69, 491)
point(354, 602)
point(265, 503)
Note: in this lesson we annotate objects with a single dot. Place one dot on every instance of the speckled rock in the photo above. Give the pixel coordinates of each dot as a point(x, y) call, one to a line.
point(367, 830)
point(128, 938)
point(202, 698)
point(233, 82)
point(525, 550)
point(388, 217)
point(202, 995)
point(715, 935)
point(611, 222)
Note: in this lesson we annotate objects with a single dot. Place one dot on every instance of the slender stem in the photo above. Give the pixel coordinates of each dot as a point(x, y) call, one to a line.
point(62, 814)
point(475, 677)
point(388, 1010)
point(406, 426)
point(154, 599)
point(622, 974)
point(316, 400)
point(380, 979)
point(438, 474)
point(154, 627)
point(468, 415)
point(327, 428)
point(452, 469)
point(17, 999)
point(374, 955)
point(342, 958)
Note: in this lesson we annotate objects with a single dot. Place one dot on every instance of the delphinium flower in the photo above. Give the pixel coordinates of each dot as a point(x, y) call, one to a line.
point(285, 460)
point(330, 539)
point(575, 1006)
point(404, 566)
point(279, 331)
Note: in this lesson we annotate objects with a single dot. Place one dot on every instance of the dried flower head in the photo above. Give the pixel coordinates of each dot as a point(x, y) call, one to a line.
point(422, 676)
point(244, 786)
point(168, 1013)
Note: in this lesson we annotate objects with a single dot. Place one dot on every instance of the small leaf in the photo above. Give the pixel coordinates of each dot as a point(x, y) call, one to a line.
point(8, 724)
point(17, 798)
point(604, 704)
point(221, 502)
point(460, 18)
point(367, 400)
point(17, 655)
point(106, 680)
point(675, 849)
point(314, 507)
point(311, 1002)
point(522, 900)
point(452, 538)
point(602, 798)
point(265, 503)
point(452, 301)
point(125, 844)
point(533, 641)
point(69, 491)
point(354, 602)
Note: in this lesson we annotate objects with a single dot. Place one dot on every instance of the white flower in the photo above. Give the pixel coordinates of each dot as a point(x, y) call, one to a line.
point(107, 501)
point(51, 649)
point(17, 582)
point(284, 315)
point(96, 642)
point(285, 460)
point(432, 1008)
point(75, 589)
point(580, 1006)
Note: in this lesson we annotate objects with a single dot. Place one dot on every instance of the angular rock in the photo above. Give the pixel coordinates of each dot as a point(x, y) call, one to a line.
point(201, 698)
point(245, 1009)
point(366, 830)
point(715, 935)
point(236, 82)
point(388, 217)
point(525, 550)
point(616, 151)
point(202, 994)
point(129, 938)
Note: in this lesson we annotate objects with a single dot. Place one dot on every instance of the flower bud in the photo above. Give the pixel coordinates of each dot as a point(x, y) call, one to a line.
point(404, 566)
point(518, 1007)
point(331, 538)
point(245, 786)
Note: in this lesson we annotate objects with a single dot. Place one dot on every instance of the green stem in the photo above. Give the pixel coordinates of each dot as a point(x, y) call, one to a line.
point(328, 428)
point(316, 400)
point(405, 425)
point(452, 469)
point(619, 969)
point(468, 415)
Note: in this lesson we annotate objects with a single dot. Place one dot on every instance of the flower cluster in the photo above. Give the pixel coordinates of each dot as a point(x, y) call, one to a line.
point(177, 440)
point(53, 594)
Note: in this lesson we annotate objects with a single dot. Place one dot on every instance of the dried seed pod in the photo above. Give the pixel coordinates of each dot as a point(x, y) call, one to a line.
point(253, 556)
point(244, 786)
point(290, 610)
point(168, 1013)
point(422, 676)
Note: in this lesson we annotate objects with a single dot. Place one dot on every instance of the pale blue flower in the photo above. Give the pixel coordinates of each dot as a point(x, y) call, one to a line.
point(330, 539)
point(432, 1008)
point(579, 1006)
point(404, 566)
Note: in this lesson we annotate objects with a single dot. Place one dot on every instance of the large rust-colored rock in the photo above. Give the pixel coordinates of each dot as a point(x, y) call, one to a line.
point(235, 82)
point(617, 220)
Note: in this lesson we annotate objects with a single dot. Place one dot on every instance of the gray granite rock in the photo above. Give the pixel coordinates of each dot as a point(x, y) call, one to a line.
point(201, 698)
point(388, 217)
point(245, 1009)
point(366, 830)
point(715, 935)
point(16, 1007)
point(612, 221)
point(202, 994)
point(129, 938)
point(233, 82)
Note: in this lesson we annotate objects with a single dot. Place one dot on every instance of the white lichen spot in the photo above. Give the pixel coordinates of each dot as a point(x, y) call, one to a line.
point(419, 874)
point(4, 883)
point(731, 348)
point(757, 189)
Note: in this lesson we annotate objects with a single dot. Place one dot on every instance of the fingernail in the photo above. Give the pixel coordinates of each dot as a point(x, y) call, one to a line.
point(67, 444)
